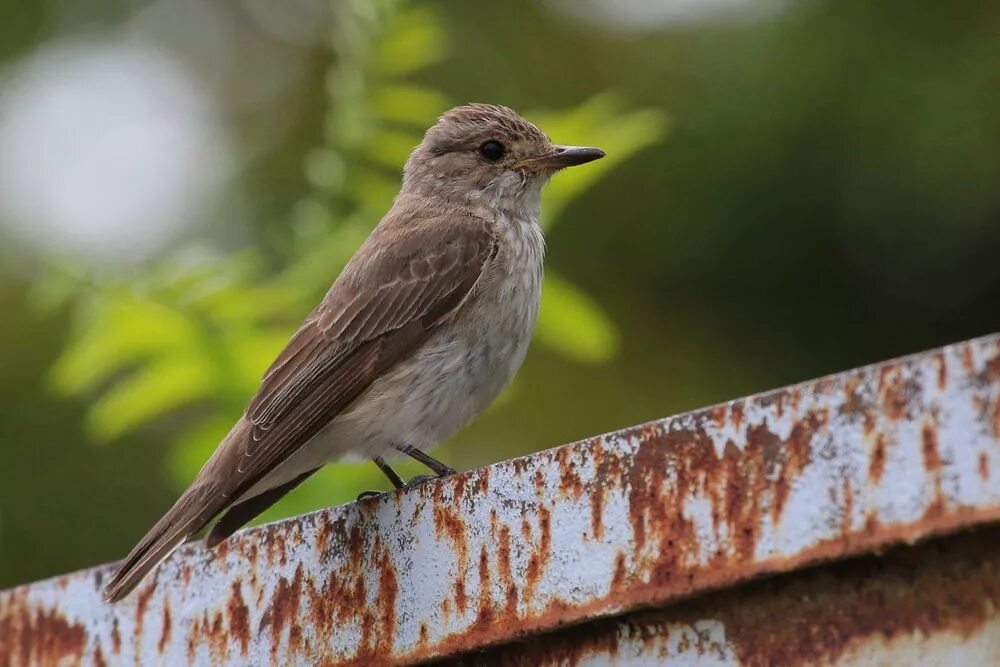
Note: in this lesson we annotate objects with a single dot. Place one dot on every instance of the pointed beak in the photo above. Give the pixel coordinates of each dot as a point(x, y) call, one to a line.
point(563, 156)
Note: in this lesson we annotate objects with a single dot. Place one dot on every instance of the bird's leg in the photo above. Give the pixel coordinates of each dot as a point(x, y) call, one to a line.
point(440, 469)
point(387, 470)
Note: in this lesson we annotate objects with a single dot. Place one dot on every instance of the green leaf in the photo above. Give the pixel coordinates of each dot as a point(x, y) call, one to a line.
point(117, 331)
point(416, 41)
point(390, 149)
point(415, 106)
point(573, 324)
point(149, 393)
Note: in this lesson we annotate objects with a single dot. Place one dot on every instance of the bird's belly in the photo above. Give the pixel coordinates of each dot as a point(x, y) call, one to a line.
point(426, 399)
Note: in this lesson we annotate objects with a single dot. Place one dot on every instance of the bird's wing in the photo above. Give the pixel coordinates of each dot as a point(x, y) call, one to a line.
point(414, 271)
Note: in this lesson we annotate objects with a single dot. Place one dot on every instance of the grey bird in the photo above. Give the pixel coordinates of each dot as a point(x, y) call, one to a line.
point(424, 327)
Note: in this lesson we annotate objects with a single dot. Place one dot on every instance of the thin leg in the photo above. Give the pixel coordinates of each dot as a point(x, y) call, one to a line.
point(440, 469)
point(387, 470)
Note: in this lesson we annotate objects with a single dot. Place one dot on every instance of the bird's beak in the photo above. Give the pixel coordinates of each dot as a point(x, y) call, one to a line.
point(562, 156)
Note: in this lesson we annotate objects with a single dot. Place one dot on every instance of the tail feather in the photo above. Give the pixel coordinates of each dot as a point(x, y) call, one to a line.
point(192, 511)
point(240, 514)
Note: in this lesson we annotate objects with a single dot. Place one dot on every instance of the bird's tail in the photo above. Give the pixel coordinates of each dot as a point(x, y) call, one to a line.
point(195, 508)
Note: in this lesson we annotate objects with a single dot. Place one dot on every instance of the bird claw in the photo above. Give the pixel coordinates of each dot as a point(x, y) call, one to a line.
point(420, 479)
point(413, 482)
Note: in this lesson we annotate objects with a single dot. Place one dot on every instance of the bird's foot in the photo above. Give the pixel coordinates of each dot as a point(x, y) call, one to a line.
point(420, 479)
point(409, 484)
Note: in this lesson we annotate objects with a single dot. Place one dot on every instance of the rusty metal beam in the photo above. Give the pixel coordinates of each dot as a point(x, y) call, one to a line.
point(933, 604)
point(643, 517)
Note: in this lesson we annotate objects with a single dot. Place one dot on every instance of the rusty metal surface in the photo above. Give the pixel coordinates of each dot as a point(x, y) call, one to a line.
point(934, 604)
point(642, 517)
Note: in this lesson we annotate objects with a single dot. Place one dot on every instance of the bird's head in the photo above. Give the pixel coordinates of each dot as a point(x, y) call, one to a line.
point(489, 154)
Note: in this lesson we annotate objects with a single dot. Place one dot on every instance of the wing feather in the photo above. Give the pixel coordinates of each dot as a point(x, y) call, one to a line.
point(381, 308)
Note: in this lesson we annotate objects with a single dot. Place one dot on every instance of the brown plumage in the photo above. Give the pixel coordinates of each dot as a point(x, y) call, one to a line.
point(404, 302)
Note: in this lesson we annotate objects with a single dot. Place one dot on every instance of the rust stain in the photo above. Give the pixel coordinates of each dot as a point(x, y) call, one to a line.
point(507, 580)
point(621, 573)
point(461, 599)
point(385, 600)
point(192, 640)
point(719, 416)
point(996, 418)
point(460, 483)
point(448, 525)
point(525, 530)
point(218, 641)
point(540, 553)
point(446, 608)
point(853, 402)
point(355, 546)
point(991, 371)
point(984, 466)
point(597, 514)
point(116, 637)
point(877, 464)
point(932, 463)
point(482, 481)
point(141, 603)
point(284, 610)
point(929, 449)
point(485, 614)
point(165, 628)
point(520, 464)
point(893, 392)
point(325, 533)
point(607, 471)
point(570, 482)
point(99, 660)
point(239, 617)
point(220, 552)
point(40, 636)
point(967, 361)
point(869, 424)
point(797, 454)
point(539, 481)
point(253, 554)
point(736, 415)
point(848, 493)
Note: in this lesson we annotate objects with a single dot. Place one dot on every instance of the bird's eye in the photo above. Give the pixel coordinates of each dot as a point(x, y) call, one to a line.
point(492, 150)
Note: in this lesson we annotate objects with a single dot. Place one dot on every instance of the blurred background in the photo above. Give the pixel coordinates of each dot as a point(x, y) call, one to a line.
point(793, 188)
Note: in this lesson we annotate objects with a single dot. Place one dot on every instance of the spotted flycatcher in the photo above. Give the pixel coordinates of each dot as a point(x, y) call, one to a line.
point(423, 328)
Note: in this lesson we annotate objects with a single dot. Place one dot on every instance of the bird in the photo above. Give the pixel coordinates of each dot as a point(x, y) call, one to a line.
point(423, 328)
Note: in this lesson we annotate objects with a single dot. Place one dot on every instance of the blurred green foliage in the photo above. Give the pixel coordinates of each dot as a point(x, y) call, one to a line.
point(195, 332)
